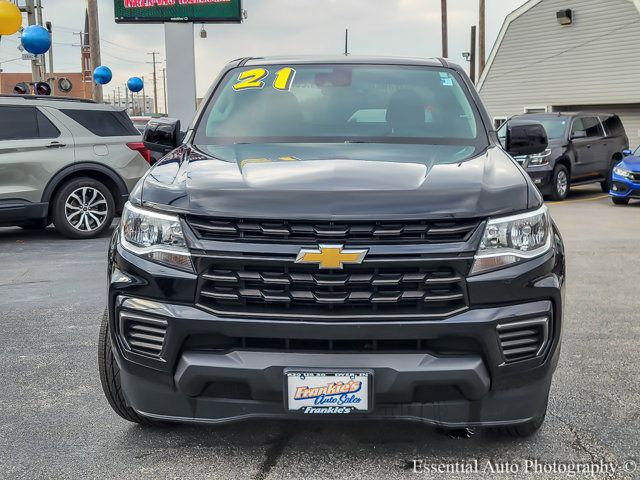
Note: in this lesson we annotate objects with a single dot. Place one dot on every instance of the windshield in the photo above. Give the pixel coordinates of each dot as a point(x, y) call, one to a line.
point(341, 103)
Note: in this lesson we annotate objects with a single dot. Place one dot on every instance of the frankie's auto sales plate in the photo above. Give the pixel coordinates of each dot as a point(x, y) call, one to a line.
point(335, 393)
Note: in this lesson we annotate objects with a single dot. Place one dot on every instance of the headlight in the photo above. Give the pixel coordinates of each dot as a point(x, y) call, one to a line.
point(155, 236)
point(510, 240)
point(623, 172)
point(539, 159)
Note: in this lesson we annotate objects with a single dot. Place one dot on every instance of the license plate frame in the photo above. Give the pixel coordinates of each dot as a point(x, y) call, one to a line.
point(318, 378)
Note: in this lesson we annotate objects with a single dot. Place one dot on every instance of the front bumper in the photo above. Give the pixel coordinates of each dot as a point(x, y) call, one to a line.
point(197, 385)
point(624, 188)
point(542, 177)
point(458, 377)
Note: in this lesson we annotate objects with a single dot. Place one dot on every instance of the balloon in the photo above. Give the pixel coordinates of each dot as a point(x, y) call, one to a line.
point(102, 75)
point(10, 18)
point(135, 84)
point(36, 39)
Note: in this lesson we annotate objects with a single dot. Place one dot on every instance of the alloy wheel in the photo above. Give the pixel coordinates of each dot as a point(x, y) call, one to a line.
point(562, 183)
point(86, 209)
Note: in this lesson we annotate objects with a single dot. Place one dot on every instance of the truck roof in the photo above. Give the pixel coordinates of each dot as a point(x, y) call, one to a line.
point(345, 59)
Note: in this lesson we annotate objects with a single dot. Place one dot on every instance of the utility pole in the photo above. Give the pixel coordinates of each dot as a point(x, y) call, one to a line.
point(144, 97)
point(52, 75)
point(126, 98)
point(445, 36)
point(481, 39)
point(31, 20)
point(119, 98)
point(164, 86)
point(43, 61)
point(472, 58)
point(94, 44)
point(155, 82)
point(346, 42)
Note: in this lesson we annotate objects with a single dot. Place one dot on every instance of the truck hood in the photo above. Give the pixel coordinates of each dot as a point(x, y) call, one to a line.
point(337, 181)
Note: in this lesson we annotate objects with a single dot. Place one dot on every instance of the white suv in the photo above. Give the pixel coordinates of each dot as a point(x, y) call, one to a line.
point(67, 161)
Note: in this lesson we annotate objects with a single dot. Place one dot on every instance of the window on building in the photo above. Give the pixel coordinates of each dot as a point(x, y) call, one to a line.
point(535, 109)
point(104, 123)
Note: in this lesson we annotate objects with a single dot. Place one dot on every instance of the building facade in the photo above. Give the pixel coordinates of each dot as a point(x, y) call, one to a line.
point(592, 63)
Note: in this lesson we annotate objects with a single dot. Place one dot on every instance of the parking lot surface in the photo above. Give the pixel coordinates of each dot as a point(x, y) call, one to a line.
point(55, 422)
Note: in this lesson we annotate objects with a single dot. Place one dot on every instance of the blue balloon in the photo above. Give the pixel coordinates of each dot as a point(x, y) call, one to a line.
point(102, 75)
point(135, 84)
point(36, 39)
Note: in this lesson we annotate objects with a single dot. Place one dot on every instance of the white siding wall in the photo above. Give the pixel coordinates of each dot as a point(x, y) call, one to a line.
point(541, 63)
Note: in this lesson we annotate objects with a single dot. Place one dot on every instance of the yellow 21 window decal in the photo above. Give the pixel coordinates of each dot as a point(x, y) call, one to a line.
point(253, 79)
point(284, 78)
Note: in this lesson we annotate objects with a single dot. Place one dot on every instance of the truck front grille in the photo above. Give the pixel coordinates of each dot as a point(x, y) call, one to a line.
point(368, 291)
point(306, 232)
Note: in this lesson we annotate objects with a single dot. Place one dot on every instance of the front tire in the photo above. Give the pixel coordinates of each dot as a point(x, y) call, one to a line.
point(560, 183)
point(110, 378)
point(620, 201)
point(83, 208)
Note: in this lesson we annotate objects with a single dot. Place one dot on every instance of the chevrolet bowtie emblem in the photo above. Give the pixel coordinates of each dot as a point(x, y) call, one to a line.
point(331, 256)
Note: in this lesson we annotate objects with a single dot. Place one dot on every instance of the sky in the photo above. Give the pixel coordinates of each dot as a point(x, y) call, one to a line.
point(274, 27)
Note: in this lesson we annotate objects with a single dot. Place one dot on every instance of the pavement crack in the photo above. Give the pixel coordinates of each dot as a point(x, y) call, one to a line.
point(578, 441)
point(273, 453)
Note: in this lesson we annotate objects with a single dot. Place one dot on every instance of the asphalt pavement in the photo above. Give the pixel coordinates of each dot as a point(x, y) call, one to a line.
point(55, 422)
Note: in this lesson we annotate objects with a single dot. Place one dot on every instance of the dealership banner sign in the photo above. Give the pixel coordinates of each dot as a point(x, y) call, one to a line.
point(160, 11)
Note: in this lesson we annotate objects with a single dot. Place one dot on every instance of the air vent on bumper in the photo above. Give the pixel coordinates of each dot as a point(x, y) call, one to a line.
point(142, 334)
point(524, 339)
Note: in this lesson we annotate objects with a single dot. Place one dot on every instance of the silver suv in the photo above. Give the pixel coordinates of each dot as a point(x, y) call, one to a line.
point(67, 161)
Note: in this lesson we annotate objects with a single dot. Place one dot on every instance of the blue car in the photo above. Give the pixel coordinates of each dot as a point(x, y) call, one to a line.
point(625, 183)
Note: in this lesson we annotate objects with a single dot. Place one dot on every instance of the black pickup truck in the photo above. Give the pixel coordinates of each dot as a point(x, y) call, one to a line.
point(336, 237)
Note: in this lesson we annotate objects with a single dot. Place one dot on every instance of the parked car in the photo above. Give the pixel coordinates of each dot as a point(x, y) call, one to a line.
point(67, 161)
point(298, 254)
point(626, 178)
point(583, 148)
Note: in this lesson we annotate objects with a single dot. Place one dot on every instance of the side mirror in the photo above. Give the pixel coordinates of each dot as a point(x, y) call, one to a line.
point(525, 137)
point(162, 135)
point(578, 134)
point(627, 153)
